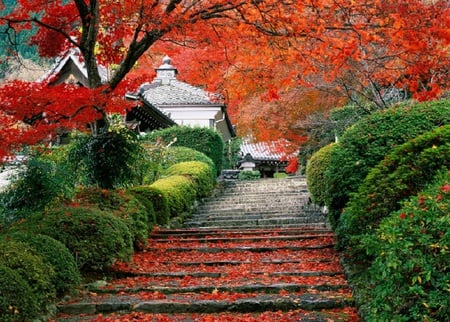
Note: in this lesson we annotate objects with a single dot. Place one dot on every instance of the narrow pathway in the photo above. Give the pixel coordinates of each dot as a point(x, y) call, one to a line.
point(254, 252)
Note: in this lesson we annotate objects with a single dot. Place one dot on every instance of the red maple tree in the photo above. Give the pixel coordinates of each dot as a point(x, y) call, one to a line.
point(249, 50)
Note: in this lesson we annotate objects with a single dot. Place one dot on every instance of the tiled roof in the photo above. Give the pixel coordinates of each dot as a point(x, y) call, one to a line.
point(73, 55)
point(174, 93)
point(166, 89)
point(266, 151)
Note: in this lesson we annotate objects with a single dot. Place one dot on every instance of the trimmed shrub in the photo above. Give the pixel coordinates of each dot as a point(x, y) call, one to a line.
point(367, 142)
point(155, 202)
point(403, 173)
point(110, 159)
point(249, 175)
point(21, 258)
point(200, 172)
point(202, 139)
point(315, 174)
point(122, 204)
point(17, 300)
point(280, 175)
point(178, 154)
point(35, 187)
point(96, 239)
point(179, 191)
point(411, 248)
point(58, 256)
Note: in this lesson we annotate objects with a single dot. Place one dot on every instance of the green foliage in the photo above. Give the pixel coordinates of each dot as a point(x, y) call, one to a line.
point(41, 182)
point(179, 191)
point(152, 195)
point(411, 248)
point(323, 129)
point(367, 142)
point(315, 172)
point(280, 175)
point(177, 154)
point(53, 252)
point(21, 258)
point(17, 300)
point(403, 173)
point(122, 204)
point(231, 153)
point(96, 239)
point(249, 175)
point(201, 173)
point(111, 159)
point(201, 139)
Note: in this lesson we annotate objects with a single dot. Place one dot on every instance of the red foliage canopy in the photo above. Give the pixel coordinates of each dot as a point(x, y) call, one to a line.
point(256, 52)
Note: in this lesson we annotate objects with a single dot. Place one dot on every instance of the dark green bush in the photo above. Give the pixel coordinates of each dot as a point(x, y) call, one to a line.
point(249, 175)
point(367, 142)
point(315, 172)
point(122, 204)
point(179, 191)
point(408, 279)
point(21, 258)
point(155, 202)
point(40, 182)
point(110, 159)
point(96, 239)
point(202, 174)
point(201, 139)
point(403, 173)
point(54, 252)
point(178, 154)
point(17, 300)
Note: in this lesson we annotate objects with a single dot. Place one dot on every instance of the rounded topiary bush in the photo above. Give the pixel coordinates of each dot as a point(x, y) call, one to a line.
point(200, 172)
point(403, 173)
point(202, 139)
point(177, 154)
point(96, 239)
point(17, 300)
point(410, 272)
point(315, 174)
point(122, 204)
point(366, 143)
point(21, 258)
point(179, 191)
point(155, 202)
point(249, 175)
point(57, 255)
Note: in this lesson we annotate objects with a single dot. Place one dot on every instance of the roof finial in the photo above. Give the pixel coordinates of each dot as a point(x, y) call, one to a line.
point(166, 71)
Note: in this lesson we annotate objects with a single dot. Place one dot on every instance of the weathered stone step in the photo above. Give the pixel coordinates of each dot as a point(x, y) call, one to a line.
point(244, 239)
point(251, 215)
point(275, 222)
point(319, 225)
point(235, 262)
point(255, 249)
point(226, 274)
point(180, 233)
point(259, 303)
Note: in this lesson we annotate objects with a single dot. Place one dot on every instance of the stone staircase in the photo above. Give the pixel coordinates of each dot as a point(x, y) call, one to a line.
point(256, 251)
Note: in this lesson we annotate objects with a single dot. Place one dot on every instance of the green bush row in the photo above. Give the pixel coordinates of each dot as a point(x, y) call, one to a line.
point(408, 278)
point(315, 169)
point(201, 139)
point(249, 175)
point(366, 143)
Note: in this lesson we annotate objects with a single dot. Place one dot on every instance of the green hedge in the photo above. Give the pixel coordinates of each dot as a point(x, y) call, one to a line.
point(17, 300)
point(53, 252)
point(96, 239)
point(179, 191)
point(178, 154)
point(202, 139)
point(123, 205)
point(153, 198)
point(21, 258)
point(408, 279)
point(403, 173)
point(315, 174)
point(367, 142)
point(202, 174)
point(249, 175)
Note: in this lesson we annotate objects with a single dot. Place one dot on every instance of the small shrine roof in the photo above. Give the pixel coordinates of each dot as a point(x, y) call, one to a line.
point(166, 89)
point(266, 151)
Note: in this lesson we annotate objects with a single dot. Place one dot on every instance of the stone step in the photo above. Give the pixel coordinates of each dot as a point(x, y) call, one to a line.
point(275, 222)
point(319, 225)
point(245, 239)
point(250, 213)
